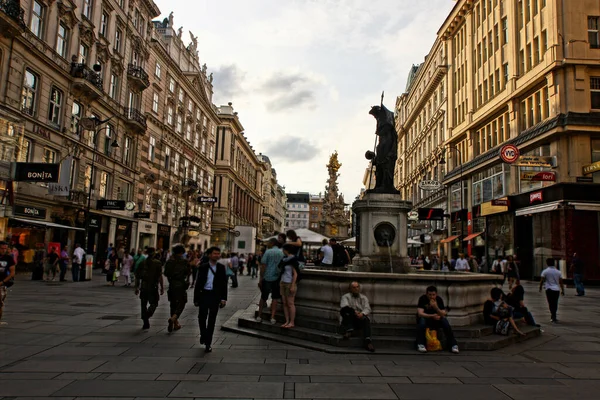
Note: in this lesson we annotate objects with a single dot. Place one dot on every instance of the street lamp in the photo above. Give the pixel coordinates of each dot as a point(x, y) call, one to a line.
point(442, 162)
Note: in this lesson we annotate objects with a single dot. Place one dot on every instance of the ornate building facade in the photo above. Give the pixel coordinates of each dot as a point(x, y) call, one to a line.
point(273, 196)
point(336, 218)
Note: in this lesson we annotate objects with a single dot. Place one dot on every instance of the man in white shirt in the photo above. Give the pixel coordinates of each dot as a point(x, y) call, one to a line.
point(326, 254)
point(462, 264)
point(554, 287)
point(355, 310)
point(78, 255)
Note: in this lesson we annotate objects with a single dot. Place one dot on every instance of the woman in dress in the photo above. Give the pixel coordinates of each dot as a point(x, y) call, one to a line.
point(111, 267)
point(126, 270)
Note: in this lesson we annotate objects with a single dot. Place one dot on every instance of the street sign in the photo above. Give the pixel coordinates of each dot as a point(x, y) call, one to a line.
point(509, 153)
point(591, 168)
point(118, 205)
point(534, 161)
point(584, 179)
point(141, 215)
point(36, 172)
point(535, 176)
point(204, 199)
point(413, 216)
point(430, 185)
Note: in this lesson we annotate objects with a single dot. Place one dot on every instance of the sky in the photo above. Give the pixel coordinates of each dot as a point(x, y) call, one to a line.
point(303, 74)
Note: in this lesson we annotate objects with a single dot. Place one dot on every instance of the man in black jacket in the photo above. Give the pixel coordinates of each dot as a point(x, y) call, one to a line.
point(210, 294)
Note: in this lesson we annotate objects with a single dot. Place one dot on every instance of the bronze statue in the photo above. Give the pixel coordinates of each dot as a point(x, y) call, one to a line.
point(385, 158)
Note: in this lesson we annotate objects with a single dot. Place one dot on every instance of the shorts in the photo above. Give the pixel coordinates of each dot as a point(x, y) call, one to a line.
point(285, 289)
point(3, 294)
point(271, 288)
point(48, 268)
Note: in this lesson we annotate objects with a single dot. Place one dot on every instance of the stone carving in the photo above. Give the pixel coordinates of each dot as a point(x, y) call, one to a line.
point(335, 217)
point(384, 160)
point(193, 47)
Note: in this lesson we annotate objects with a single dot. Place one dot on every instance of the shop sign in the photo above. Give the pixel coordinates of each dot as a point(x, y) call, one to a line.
point(490, 207)
point(141, 215)
point(31, 212)
point(148, 227)
point(419, 226)
point(413, 216)
point(509, 153)
point(94, 223)
point(591, 168)
point(430, 185)
point(62, 187)
point(584, 179)
point(535, 197)
point(193, 233)
point(163, 230)
point(535, 176)
point(534, 161)
point(36, 172)
point(110, 205)
point(501, 202)
point(204, 199)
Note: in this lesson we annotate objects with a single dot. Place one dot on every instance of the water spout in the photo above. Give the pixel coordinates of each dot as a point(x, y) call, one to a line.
point(390, 252)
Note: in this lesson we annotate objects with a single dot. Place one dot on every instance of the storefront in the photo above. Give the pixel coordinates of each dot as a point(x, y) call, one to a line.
point(147, 232)
point(163, 237)
point(123, 234)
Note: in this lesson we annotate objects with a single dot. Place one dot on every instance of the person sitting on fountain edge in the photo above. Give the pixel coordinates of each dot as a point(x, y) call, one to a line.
point(355, 310)
point(431, 313)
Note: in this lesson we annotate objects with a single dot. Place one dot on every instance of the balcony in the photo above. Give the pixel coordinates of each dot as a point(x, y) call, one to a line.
point(135, 120)
point(87, 82)
point(12, 23)
point(138, 77)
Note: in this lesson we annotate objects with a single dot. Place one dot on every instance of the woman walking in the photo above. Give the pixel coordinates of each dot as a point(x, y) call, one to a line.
point(194, 260)
point(111, 267)
point(126, 270)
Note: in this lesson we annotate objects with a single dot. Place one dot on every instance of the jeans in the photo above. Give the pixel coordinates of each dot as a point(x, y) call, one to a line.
point(63, 271)
point(148, 297)
point(177, 300)
point(552, 296)
point(578, 280)
point(208, 307)
point(524, 313)
point(75, 271)
point(350, 322)
point(431, 323)
point(234, 280)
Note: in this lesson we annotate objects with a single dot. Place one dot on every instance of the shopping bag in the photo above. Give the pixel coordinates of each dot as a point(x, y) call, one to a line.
point(432, 342)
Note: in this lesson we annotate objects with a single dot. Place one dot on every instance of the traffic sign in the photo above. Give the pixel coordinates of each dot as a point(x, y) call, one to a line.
point(509, 153)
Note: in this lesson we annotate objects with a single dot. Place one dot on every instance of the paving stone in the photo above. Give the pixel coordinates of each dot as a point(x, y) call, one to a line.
point(233, 390)
point(447, 391)
point(436, 371)
point(105, 388)
point(132, 377)
point(78, 376)
point(52, 366)
point(148, 365)
point(244, 369)
point(533, 371)
point(284, 378)
point(534, 381)
point(233, 378)
point(531, 392)
point(334, 379)
point(434, 380)
point(343, 391)
point(5, 376)
point(332, 369)
point(24, 387)
point(484, 381)
point(384, 379)
point(183, 377)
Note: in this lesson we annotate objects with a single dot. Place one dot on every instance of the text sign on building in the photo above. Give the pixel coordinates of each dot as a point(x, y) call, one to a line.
point(141, 215)
point(36, 172)
point(509, 153)
point(591, 168)
point(535, 197)
point(413, 216)
point(31, 212)
point(534, 161)
point(204, 199)
point(430, 185)
point(501, 202)
point(110, 205)
point(536, 176)
point(94, 223)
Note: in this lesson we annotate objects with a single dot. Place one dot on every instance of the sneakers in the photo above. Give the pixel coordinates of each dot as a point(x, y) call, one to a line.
point(258, 319)
point(273, 321)
point(455, 349)
point(421, 348)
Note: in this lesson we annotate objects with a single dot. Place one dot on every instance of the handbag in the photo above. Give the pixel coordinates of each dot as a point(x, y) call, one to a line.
point(432, 342)
point(229, 272)
point(503, 327)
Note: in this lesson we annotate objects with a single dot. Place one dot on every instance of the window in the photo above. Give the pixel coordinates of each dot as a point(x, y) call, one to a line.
point(171, 85)
point(198, 113)
point(104, 24)
point(103, 192)
point(86, 11)
point(188, 132)
point(203, 148)
point(195, 173)
point(118, 40)
point(122, 188)
point(170, 115)
point(151, 148)
point(62, 40)
point(76, 113)
point(83, 53)
point(29, 93)
point(127, 151)
point(113, 90)
point(155, 102)
point(536, 49)
point(190, 107)
point(595, 91)
point(593, 35)
point(504, 31)
point(196, 139)
point(108, 130)
point(186, 168)
point(167, 158)
point(176, 164)
point(180, 96)
point(25, 151)
point(157, 70)
point(49, 156)
point(88, 178)
point(55, 106)
point(211, 151)
point(37, 19)
point(179, 128)
point(505, 72)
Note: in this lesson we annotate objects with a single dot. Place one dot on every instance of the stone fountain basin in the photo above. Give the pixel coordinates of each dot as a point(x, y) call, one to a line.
point(394, 297)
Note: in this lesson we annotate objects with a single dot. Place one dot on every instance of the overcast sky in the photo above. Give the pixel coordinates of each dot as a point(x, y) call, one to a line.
point(303, 74)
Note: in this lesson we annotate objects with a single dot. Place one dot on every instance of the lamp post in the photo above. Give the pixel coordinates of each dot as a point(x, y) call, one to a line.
point(442, 162)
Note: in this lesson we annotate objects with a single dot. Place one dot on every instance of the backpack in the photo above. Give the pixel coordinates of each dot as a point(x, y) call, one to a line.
point(339, 256)
point(296, 266)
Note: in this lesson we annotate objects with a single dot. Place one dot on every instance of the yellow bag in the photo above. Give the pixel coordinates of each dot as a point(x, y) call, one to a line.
point(432, 342)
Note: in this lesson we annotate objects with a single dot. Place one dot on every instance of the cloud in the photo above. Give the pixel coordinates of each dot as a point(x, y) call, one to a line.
point(282, 82)
point(290, 90)
point(292, 100)
point(228, 81)
point(292, 149)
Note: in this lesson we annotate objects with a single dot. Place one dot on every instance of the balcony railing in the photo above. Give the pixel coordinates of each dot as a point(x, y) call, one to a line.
point(13, 9)
point(137, 72)
point(135, 116)
point(82, 71)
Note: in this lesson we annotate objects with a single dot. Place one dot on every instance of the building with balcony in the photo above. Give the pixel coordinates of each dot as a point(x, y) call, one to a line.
point(524, 73)
point(298, 212)
point(316, 222)
point(273, 196)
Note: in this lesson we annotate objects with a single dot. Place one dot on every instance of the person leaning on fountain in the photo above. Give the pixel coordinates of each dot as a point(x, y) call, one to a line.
point(355, 310)
point(431, 313)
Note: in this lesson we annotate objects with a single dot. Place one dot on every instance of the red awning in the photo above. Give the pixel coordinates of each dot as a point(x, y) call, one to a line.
point(472, 236)
point(449, 239)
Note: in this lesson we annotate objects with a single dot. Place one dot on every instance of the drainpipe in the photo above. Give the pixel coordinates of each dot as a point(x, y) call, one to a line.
point(12, 41)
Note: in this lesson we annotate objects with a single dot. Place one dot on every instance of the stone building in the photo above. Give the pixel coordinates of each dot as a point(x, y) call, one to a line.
point(273, 196)
point(315, 219)
point(238, 185)
point(297, 211)
point(524, 73)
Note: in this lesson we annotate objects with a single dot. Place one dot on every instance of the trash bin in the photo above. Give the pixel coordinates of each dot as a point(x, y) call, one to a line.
point(89, 264)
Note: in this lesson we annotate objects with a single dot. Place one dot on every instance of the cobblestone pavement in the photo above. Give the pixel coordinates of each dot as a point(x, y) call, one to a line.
point(84, 341)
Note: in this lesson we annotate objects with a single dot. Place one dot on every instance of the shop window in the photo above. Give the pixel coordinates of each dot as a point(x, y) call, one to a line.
point(593, 32)
point(491, 184)
point(527, 186)
point(596, 158)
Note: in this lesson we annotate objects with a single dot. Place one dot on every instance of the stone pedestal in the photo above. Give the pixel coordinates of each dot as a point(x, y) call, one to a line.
point(382, 234)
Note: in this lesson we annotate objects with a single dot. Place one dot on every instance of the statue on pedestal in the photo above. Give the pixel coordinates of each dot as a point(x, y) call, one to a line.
point(335, 217)
point(384, 159)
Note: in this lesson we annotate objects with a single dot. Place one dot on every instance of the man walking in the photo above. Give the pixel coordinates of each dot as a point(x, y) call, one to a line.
point(355, 310)
point(78, 257)
point(147, 280)
point(554, 287)
point(462, 264)
point(235, 267)
point(210, 294)
point(577, 271)
point(177, 271)
point(269, 279)
point(7, 274)
point(51, 262)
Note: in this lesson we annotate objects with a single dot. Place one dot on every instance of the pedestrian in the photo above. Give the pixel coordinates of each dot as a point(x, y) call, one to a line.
point(148, 278)
point(109, 250)
point(111, 267)
point(512, 272)
point(7, 274)
point(78, 257)
point(137, 260)
point(120, 256)
point(51, 264)
point(295, 241)
point(551, 279)
point(235, 267)
point(288, 286)
point(193, 261)
point(269, 279)
point(445, 264)
point(126, 269)
point(63, 263)
point(462, 264)
point(340, 257)
point(281, 239)
point(326, 254)
point(210, 294)
point(177, 272)
point(577, 269)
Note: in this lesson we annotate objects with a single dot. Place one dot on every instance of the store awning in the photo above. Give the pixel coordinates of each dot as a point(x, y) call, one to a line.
point(537, 209)
point(585, 206)
point(449, 239)
point(47, 224)
point(472, 236)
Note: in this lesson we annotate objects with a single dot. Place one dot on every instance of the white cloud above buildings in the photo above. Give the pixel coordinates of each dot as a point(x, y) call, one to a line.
point(303, 74)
